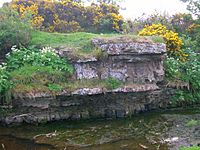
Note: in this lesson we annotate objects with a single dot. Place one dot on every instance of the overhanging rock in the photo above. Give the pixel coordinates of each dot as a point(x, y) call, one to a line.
point(139, 64)
point(128, 61)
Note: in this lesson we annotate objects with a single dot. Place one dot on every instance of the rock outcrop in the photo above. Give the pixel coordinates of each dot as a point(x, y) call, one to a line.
point(139, 65)
point(135, 62)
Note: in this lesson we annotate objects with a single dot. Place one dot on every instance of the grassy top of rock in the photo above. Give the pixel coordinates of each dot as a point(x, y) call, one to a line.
point(79, 45)
point(78, 41)
point(130, 39)
point(82, 40)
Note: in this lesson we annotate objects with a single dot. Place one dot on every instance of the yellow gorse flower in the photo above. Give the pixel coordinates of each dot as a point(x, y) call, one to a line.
point(172, 40)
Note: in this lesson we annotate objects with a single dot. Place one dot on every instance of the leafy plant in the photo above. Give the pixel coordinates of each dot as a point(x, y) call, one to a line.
point(5, 85)
point(44, 57)
point(70, 15)
point(112, 83)
point(189, 73)
point(190, 148)
point(33, 70)
point(4, 81)
point(13, 30)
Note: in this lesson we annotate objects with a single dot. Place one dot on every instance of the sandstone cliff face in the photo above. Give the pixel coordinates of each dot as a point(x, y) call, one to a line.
point(138, 64)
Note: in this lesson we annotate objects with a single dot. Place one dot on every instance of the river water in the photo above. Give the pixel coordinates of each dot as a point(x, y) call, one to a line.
point(158, 130)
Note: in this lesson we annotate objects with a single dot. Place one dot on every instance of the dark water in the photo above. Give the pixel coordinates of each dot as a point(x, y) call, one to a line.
point(145, 130)
point(9, 142)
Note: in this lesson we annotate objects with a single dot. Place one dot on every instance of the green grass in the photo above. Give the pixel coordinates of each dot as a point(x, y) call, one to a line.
point(191, 148)
point(80, 45)
point(192, 123)
point(108, 84)
point(79, 40)
point(29, 79)
point(42, 85)
point(33, 84)
point(35, 79)
point(82, 41)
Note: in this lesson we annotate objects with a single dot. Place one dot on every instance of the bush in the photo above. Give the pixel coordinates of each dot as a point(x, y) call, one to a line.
point(70, 15)
point(32, 70)
point(194, 32)
point(64, 27)
point(31, 56)
point(5, 85)
point(173, 42)
point(178, 22)
point(13, 30)
point(189, 74)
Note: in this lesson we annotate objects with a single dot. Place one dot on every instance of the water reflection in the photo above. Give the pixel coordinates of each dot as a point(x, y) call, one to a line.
point(13, 143)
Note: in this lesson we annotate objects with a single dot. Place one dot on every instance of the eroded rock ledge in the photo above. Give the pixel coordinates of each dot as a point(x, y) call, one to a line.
point(135, 62)
point(64, 107)
point(139, 65)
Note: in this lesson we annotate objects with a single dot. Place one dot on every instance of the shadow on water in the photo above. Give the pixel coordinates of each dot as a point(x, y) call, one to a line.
point(136, 133)
point(9, 142)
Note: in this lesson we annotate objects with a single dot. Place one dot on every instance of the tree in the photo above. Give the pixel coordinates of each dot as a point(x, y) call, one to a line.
point(193, 6)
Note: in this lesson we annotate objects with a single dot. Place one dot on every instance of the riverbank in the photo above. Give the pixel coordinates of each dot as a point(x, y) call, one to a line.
point(162, 130)
point(122, 78)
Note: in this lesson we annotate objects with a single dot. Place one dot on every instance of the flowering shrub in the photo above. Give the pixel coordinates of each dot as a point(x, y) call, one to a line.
point(69, 15)
point(173, 42)
point(44, 57)
point(32, 68)
point(188, 73)
point(178, 22)
point(24, 7)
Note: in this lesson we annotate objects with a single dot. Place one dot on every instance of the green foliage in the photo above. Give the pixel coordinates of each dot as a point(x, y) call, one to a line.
point(189, 73)
point(193, 6)
point(44, 57)
point(5, 85)
point(112, 83)
point(172, 67)
point(108, 84)
point(79, 43)
point(32, 70)
point(70, 15)
point(179, 22)
point(13, 30)
point(194, 33)
point(192, 123)
point(37, 78)
point(4, 81)
point(37, 74)
point(190, 148)
point(54, 87)
point(79, 40)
